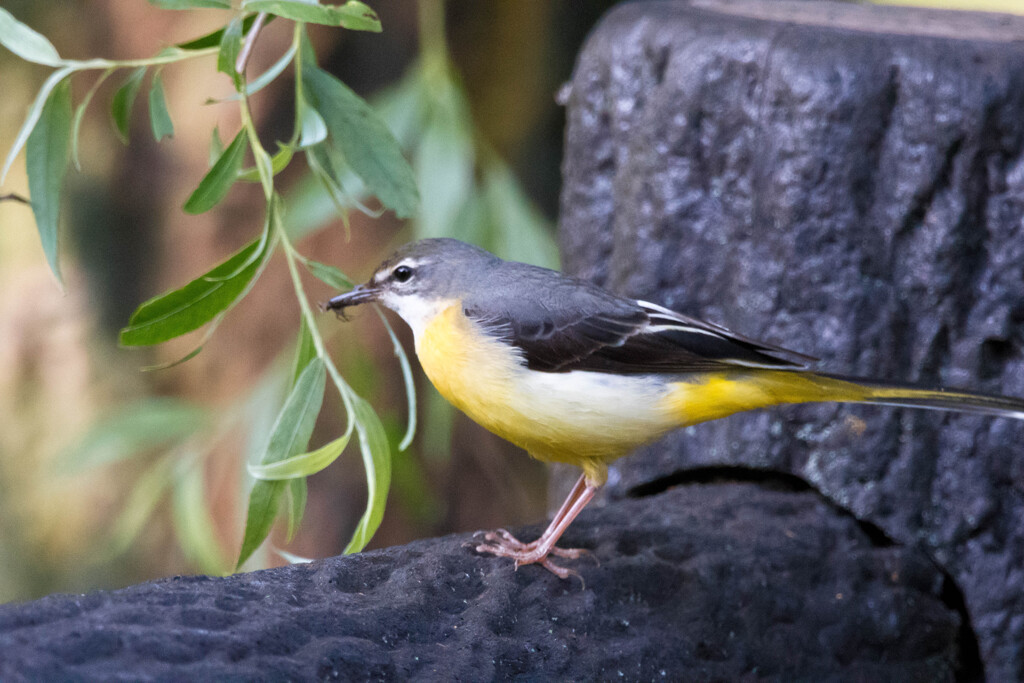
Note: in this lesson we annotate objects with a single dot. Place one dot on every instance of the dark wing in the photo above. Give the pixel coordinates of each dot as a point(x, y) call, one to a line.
point(589, 329)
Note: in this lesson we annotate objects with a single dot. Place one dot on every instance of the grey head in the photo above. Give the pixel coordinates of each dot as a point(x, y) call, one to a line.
point(420, 275)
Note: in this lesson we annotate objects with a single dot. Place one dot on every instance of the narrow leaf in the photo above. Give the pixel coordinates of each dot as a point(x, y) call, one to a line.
point(124, 99)
point(364, 141)
point(207, 335)
point(218, 180)
point(264, 79)
point(182, 310)
point(278, 163)
point(145, 495)
point(352, 15)
point(159, 117)
point(294, 424)
point(214, 38)
point(193, 523)
point(305, 351)
point(34, 112)
point(216, 146)
point(314, 130)
point(230, 47)
point(297, 494)
point(26, 42)
point(138, 428)
point(292, 558)
point(373, 444)
point(410, 384)
point(264, 502)
point(191, 4)
point(329, 275)
point(47, 155)
point(289, 435)
point(302, 465)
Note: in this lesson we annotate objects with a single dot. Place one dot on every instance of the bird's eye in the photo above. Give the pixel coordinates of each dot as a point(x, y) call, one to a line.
point(402, 274)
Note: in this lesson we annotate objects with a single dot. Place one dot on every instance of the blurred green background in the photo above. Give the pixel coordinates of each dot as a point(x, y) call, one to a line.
point(484, 134)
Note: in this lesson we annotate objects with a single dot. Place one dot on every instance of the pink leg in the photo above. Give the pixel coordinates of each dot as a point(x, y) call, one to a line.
point(503, 537)
point(504, 544)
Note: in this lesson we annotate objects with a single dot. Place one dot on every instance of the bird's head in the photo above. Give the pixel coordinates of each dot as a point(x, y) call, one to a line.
point(421, 278)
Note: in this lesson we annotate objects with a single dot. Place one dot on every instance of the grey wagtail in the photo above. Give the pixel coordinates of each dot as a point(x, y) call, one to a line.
point(573, 373)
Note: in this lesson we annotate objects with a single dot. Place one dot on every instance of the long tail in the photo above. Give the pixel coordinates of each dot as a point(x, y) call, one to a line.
point(715, 395)
point(909, 396)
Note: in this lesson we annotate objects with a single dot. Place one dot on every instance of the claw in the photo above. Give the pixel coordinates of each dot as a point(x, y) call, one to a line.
point(501, 543)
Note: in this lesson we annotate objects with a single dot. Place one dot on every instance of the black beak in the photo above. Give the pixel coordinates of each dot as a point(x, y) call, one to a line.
point(360, 294)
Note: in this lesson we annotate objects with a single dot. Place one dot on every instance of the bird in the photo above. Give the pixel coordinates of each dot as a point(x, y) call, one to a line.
point(576, 374)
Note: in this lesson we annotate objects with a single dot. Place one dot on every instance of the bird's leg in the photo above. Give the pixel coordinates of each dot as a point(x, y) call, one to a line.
point(503, 537)
point(504, 544)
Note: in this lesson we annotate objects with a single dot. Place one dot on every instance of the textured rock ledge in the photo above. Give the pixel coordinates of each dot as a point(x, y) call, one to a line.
point(706, 582)
point(847, 181)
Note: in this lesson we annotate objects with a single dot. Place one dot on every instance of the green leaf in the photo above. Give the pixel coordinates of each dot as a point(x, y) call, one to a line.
point(32, 118)
point(191, 4)
point(214, 38)
point(297, 494)
point(193, 524)
point(124, 99)
point(376, 452)
point(352, 15)
point(264, 502)
point(294, 424)
point(289, 435)
point(305, 351)
point(410, 384)
point(364, 141)
point(302, 465)
point(218, 180)
point(264, 79)
point(278, 163)
point(182, 310)
point(159, 117)
point(230, 47)
point(26, 42)
point(404, 106)
point(139, 427)
point(145, 495)
point(47, 155)
point(329, 275)
point(216, 146)
point(313, 128)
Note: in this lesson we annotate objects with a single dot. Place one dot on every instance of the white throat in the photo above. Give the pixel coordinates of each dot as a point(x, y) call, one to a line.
point(414, 309)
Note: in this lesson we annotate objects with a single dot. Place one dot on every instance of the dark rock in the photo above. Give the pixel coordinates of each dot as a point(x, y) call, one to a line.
point(846, 181)
point(711, 582)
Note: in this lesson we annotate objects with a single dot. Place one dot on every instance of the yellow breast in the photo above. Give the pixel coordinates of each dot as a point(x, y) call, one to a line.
point(473, 371)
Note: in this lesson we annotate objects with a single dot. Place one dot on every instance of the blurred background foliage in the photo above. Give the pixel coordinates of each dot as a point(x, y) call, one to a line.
point(109, 475)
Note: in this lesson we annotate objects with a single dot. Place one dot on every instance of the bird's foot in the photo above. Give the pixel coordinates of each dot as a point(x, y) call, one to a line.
point(504, 544)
